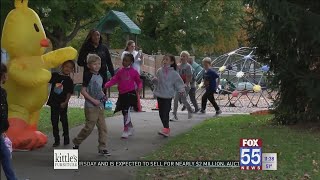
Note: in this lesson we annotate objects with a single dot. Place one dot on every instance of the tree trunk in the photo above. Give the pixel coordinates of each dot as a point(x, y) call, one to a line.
point(60, 38)
point(59, 44)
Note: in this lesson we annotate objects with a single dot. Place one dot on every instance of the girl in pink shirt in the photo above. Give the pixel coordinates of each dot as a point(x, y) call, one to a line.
point(126, 78)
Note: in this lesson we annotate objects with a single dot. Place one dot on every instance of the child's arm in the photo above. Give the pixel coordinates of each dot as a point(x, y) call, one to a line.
point(114, 80)
point(178, 83)
point(69, 90)
point(155, 79)
point(104, 98)
point(216, 77)
point(87, 96)
point(53, 76)
point(86, 80)
point(65, 103)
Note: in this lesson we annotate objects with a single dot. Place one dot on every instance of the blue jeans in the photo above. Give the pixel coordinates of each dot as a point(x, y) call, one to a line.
point(5, 157)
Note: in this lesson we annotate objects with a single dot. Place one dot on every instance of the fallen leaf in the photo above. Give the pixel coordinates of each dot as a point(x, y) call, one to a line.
point(206, 170)
point(314, 163)
point(178, 175)
point(306, 176)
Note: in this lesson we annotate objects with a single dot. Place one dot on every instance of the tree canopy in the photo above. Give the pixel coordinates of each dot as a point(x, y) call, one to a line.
point(287, 34)
point(199, 26)
point(62, 19)
point(202, 26)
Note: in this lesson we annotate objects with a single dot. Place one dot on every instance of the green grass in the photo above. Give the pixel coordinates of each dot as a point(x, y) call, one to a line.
point(114, 88)
point(75, 118)
point(218, 139)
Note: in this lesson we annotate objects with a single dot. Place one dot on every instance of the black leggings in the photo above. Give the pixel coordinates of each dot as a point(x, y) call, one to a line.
point(208, 95)
point(57, 114)
point(164, 110)
point(126, 119)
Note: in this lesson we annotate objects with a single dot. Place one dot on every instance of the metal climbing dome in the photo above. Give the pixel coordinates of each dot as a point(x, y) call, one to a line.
point(243, 78)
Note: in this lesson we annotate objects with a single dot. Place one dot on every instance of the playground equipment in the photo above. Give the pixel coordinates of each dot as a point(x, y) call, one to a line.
point(107, 26)
point(242, 76)
point(117, 18)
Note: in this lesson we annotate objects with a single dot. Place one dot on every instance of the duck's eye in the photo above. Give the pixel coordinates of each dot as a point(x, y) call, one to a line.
point(36, 27)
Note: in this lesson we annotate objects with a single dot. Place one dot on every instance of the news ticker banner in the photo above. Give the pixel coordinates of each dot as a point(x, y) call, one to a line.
point(251, 158)
point(162, 163)
point(149, 163)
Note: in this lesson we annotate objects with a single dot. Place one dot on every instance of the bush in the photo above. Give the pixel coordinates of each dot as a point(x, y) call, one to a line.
point(287, 34)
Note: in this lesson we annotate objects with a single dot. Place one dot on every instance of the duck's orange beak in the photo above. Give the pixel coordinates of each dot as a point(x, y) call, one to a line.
point(44, 43)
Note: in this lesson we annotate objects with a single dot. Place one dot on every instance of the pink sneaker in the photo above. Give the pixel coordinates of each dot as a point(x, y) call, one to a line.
point(125, 135)
point(165, 132)
point(130, 131)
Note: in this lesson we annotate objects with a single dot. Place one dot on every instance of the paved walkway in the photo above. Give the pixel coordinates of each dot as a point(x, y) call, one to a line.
point(38, 164)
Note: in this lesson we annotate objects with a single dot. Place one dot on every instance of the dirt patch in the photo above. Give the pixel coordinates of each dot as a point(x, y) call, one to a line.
point(261, 112)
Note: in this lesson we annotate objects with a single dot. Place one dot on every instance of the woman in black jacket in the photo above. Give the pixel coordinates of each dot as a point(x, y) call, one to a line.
point(93, 44)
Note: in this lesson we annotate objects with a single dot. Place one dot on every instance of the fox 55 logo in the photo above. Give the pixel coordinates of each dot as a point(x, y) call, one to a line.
point(250, 154)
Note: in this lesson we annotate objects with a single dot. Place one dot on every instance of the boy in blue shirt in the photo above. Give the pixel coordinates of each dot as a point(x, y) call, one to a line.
point(210, 78)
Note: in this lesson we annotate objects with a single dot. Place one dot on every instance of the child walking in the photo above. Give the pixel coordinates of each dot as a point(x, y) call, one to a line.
point(93, 106)
point(5, 154)
point(61, 91)
point(185, 72)
point(126, 78)
point(167, 82)
point(193, 89)
point(138, 59)
point(210, 78)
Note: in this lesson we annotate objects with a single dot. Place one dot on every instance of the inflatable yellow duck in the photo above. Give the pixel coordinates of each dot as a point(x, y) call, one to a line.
point(24, 39)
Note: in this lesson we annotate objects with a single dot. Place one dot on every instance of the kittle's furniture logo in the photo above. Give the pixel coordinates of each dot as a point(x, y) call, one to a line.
point(65, 159)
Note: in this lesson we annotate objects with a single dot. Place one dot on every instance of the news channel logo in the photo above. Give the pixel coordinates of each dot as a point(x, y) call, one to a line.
point(65, 159)
point(252, 158)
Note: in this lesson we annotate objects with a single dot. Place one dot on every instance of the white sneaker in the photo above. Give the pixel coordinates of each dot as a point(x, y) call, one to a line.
point(125, 134)
point(130, 131)
point(174, 118)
